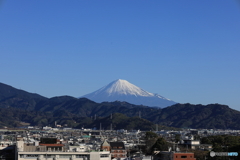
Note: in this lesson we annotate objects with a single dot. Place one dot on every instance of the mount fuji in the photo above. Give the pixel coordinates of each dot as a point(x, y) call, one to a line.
point(122, 90)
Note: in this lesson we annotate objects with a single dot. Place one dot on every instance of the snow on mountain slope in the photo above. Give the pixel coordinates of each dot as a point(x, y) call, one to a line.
point(122, 90)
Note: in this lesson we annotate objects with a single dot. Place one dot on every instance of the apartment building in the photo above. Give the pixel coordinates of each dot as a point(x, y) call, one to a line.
point(40, 151)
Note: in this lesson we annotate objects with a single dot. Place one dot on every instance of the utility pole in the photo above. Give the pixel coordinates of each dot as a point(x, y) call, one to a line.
point(100, 130)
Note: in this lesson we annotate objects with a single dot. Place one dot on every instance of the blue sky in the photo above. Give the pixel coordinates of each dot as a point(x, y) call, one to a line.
point(187, 51)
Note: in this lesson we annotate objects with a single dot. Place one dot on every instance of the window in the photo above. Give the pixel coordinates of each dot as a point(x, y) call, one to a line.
point(49, 156)
point(31, 155)
point(104, 155)
point(183, 156)
point(65, 156)
point(82, 156)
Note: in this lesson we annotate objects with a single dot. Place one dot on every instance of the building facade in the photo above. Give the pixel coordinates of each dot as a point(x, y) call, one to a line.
point(56, 152)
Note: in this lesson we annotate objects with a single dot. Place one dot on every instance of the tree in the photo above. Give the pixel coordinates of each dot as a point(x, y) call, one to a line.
point(160, 145)
point(177, 138)
point(150, 140)
point(150, 135)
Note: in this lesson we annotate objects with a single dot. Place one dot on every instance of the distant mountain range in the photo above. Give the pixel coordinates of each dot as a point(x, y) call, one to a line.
point(18, 107)
point(122, 90)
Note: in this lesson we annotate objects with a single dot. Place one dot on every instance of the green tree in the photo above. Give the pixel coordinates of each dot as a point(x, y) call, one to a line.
point(160, 145)
point(177, 138)
point(150, 140)
point(206, 140)
point(150, 135)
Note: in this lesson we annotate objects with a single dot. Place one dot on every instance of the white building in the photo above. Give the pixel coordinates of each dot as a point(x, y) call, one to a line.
point(56, 152)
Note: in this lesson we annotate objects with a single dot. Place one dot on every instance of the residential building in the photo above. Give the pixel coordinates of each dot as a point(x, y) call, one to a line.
point(118, 150)
point(40, 151)
point(168, 155)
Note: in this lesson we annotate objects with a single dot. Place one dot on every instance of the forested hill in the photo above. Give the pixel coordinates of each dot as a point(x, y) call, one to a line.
point(17, 106)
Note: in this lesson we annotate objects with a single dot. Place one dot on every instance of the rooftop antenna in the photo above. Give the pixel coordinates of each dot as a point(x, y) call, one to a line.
point(100, 130)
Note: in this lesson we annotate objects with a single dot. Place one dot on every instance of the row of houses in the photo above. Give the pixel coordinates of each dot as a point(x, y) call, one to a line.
point(99, 145)
point(54, 149)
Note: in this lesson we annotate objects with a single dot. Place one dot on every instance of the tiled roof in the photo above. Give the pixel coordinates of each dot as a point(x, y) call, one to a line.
point(105, 143)
point(119, 145)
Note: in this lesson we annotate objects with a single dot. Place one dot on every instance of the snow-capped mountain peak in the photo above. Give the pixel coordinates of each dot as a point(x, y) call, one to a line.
point(123, 90)
point(121, 86)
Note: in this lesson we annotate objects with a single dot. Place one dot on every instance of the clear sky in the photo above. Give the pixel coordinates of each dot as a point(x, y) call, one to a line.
point(184, 50)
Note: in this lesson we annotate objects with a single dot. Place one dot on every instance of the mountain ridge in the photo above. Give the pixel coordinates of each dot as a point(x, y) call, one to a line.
point(40, 111)
point(8, 91)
